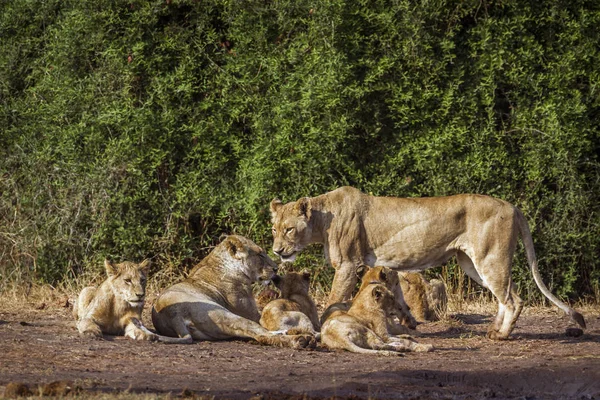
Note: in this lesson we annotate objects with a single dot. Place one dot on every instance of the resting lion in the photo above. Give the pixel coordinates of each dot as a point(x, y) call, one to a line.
point(388, 278)
point(115, 308)
point(427, 300)
point(295, 310)
point(215, 302)
point(363, 328)
point(413, 234)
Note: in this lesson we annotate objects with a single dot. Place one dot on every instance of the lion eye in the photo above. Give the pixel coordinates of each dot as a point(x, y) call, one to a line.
point(274, 231)
point(127, 281)
point(288, 230)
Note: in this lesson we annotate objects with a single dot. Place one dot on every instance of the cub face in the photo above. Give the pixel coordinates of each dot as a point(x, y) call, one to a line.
point(291, 227)
point(293, 283)
point(378, 274)
point(250, 258)
point(128, 280)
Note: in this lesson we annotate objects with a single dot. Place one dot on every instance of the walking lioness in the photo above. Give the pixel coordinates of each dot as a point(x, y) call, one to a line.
point(413, 234)
point(116, 306)
point(215, 302)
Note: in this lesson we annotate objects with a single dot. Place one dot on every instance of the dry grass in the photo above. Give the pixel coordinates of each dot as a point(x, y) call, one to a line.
point(31, 297)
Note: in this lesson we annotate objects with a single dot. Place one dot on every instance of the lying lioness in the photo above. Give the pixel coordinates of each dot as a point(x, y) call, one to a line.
point(115, 308)
point(295, 310)
point(215, 302)
point(388, 278)
point(363, 328)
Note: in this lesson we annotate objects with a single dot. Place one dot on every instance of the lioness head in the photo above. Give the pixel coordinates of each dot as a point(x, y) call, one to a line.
point(293, 283)
point(128, 280)
point(249, 258)
point(291, 227)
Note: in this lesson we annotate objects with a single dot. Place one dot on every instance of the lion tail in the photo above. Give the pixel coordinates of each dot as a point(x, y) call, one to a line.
point(532, 260)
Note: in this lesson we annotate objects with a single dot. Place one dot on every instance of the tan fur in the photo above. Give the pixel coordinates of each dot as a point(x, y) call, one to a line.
point(115, 308)
point(427, 300)
point(215, 302)
point(364, 327)
point(413, 234)
point(295, 310)
point(388, 278)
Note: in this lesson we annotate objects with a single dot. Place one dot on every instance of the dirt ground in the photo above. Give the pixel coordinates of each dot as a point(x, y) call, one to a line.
point(40, 346)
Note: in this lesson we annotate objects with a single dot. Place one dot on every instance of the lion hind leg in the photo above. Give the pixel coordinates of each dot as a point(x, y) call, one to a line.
point(512, 310)
point(83, 301)
point(408, 344)
point(142, 333)
point(87, 327)
point(502, 287)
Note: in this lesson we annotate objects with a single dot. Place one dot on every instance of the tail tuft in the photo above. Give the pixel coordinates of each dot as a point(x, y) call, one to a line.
point(578, 318)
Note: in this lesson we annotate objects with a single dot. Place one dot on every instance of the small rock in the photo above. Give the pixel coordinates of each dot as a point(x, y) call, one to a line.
point(574, 332)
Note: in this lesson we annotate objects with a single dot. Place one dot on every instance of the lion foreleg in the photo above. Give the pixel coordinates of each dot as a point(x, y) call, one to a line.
point(344, 281)
point(83, 301)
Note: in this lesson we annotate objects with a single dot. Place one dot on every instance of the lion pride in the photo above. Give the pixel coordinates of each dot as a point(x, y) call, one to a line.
point(413, 234)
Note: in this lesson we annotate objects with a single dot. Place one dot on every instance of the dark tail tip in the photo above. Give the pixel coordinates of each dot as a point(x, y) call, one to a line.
point(578, 318)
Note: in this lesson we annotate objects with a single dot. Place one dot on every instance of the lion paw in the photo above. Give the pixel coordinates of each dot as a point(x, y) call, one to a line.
point(303, 341)
point(424, 348)
point(496, 335)
point(92, 334)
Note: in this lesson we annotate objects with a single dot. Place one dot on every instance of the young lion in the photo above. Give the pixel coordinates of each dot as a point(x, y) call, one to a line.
point(115, 308)
point(364, 327)
point(390, 279)
point(427, 300)
point(215, 302)
point(295, 310)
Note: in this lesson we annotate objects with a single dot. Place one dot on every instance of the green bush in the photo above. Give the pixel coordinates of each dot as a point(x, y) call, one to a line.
point(148, 128)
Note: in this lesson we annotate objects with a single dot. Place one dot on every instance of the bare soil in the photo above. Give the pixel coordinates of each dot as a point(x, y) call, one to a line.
point(540, 362)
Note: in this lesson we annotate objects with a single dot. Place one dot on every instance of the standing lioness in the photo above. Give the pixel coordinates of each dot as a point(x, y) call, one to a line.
point(215, 302)
point(413, 234)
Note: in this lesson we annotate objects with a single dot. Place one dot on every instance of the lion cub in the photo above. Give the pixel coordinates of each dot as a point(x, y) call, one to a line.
point(364, 327)
point(388, 278)
point(294, 311)
point(115, 308)
point(428, 301)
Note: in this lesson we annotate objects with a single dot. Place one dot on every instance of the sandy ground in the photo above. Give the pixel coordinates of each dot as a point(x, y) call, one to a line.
point(41, 346)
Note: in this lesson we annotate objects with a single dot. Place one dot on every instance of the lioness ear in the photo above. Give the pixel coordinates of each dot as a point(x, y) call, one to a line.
point(302, 206)
point(275, 205)
point(361, 271)
point(383, 276)
point(377, 292)
point(235, 247)
point(144, 266)
point(305, 275)
point(110, 268)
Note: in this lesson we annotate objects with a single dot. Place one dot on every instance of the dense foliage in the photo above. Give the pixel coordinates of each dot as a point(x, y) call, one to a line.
point(148, 128)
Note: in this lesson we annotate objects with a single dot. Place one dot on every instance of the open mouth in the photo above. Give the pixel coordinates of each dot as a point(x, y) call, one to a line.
point(288, 257)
